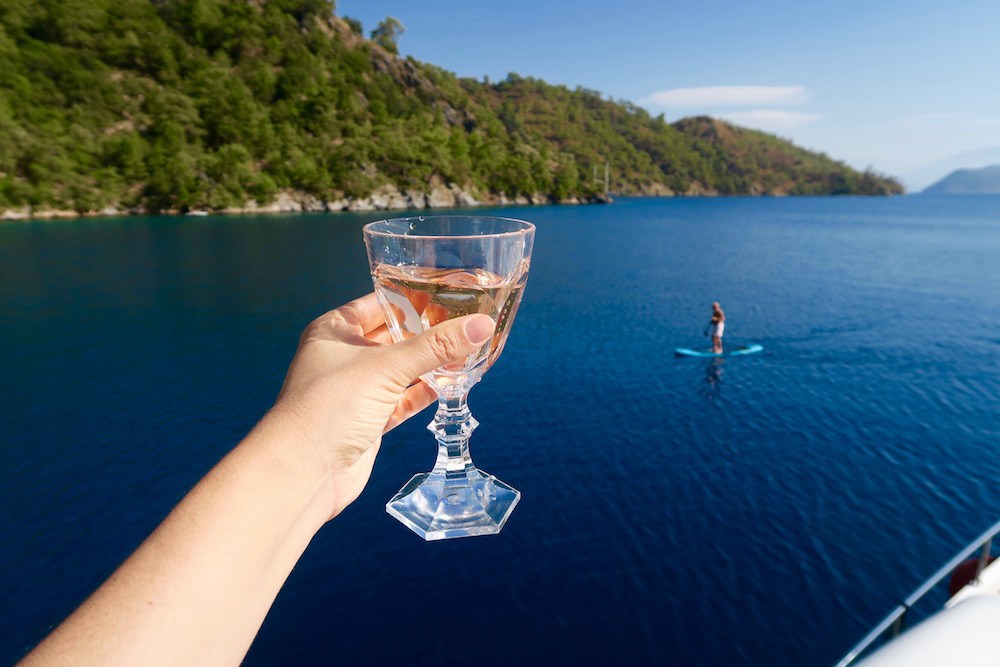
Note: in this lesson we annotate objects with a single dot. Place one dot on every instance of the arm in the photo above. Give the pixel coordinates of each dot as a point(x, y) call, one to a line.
point(197, 590)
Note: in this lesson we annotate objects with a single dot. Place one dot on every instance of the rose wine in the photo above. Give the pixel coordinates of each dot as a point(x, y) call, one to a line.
point(417, 298)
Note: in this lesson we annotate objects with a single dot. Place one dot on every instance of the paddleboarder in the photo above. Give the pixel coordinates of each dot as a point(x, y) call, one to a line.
point(716, 326)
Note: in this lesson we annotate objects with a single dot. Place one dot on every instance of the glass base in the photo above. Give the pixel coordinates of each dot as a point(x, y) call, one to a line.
point(435, 513)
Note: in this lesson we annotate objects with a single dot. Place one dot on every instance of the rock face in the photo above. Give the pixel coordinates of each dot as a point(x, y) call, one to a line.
point(390, 198)
point(16, 213)
point(657, 190)
point(440, 197)
point(696, 189)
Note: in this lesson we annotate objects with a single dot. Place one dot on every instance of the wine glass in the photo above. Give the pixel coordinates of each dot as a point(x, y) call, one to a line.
point(426, 270)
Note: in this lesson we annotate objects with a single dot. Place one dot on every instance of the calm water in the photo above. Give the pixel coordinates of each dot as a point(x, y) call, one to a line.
point(757, 510)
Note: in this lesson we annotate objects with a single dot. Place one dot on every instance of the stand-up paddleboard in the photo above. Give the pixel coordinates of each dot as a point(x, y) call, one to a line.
point(732, 352)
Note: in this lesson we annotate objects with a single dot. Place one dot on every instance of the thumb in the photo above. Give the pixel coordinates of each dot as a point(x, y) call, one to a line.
point(445, 343)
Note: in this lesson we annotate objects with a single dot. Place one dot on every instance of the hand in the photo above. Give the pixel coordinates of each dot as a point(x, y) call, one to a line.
point(348, 384)
point(197, 590)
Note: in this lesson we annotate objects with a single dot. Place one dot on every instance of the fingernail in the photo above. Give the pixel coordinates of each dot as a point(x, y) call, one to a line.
point(479, 328)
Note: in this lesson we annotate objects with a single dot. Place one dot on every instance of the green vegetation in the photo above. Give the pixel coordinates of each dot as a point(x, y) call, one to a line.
point(178, 104)
point(387, 34)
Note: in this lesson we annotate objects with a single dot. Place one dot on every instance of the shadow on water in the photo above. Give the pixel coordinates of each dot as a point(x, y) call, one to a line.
point(713, 379)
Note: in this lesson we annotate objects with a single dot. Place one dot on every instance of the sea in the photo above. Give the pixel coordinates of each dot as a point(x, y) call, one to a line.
point(758, 510)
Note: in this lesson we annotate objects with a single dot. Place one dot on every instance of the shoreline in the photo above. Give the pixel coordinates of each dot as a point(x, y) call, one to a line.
point(384, 198)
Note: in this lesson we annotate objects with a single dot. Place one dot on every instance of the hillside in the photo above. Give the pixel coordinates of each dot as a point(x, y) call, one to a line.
point(134, 105)
point(757, 163)
point(968, 181)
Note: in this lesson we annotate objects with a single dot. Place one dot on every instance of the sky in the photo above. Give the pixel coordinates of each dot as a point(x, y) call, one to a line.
point(911, 89)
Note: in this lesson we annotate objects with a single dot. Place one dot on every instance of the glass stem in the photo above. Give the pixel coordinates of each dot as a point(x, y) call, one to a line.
point(452, 426)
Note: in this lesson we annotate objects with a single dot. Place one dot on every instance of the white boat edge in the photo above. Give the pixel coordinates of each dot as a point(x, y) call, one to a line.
point(962, 633)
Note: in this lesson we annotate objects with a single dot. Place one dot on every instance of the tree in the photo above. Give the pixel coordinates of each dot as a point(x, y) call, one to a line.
point(387, 32)
point(354, 24)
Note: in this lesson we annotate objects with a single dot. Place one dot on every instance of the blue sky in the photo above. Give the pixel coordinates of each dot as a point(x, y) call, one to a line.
point(902, 86)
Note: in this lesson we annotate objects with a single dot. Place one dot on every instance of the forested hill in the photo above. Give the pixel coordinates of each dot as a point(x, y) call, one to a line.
point(215, 104)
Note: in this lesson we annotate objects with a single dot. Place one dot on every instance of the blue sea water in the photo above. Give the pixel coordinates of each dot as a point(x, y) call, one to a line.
point(764, 510)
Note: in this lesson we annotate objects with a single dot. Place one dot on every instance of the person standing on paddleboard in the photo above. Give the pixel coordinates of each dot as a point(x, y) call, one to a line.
point(716, 326)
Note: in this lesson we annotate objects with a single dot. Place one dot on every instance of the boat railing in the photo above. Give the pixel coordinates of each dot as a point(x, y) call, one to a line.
point(895, 620)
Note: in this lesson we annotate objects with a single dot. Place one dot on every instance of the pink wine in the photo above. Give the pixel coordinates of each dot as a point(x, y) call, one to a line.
point(420, 297)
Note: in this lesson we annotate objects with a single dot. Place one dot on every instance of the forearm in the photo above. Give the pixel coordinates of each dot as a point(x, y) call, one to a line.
point(197, 590)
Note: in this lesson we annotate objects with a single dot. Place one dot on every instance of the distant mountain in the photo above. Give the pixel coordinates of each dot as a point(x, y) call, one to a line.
point(145, 105)
point(969, 181)
point(933, 172)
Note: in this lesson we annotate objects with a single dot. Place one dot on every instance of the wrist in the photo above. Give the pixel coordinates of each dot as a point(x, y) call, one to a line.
point(287, 445)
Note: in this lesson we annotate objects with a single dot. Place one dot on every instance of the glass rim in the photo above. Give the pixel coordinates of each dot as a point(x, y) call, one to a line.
point(526, 227)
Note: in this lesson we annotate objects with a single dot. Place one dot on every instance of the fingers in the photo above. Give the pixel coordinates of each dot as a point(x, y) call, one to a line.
point(414, 399)
point(380, 335)
point(446, 343)
point(365, 313)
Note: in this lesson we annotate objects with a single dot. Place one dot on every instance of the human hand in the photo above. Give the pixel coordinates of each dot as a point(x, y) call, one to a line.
point(197, 590)
point(348, 384)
